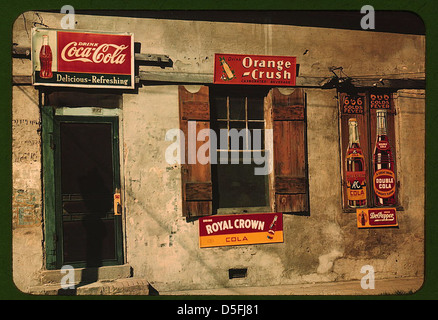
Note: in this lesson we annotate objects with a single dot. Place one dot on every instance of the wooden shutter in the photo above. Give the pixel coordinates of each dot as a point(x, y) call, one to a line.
point(289, 182)
point(196, 177)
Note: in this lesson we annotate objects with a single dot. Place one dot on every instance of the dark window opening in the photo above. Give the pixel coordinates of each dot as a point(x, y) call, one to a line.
point(238, 113)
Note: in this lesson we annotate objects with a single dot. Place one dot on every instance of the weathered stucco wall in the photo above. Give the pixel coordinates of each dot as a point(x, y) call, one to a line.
point(325, 246)
point(26, 187)
point(160, 244)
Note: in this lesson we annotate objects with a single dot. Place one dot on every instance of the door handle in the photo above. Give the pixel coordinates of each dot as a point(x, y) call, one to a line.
point(117, 204)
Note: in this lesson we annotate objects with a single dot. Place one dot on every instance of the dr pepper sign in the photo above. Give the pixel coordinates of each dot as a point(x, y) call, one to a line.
point(254, 70)
point(82, 58)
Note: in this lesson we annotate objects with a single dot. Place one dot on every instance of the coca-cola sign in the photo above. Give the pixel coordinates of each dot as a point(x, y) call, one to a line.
point(87, 52)
point(83, 58)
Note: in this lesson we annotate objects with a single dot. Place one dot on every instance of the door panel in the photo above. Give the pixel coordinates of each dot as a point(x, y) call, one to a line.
point(86, 158)
point(88, 175)
point(89, 240)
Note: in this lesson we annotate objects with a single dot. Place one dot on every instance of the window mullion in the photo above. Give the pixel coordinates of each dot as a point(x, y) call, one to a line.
point(246, 123)
point(228, 126)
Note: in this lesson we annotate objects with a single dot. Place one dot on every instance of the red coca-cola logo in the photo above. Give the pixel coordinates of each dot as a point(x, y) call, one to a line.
point(74, 52)
point(94, 53)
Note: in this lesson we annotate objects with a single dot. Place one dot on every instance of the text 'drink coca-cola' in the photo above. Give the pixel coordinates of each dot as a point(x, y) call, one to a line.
point(73, 58)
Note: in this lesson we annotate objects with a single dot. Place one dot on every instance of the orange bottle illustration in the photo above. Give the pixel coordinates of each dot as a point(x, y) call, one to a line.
point(355, 169)
point(228, 73)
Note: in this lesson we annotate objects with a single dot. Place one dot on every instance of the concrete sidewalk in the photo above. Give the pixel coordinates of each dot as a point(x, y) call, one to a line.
point(382, 286)
point(134, 286)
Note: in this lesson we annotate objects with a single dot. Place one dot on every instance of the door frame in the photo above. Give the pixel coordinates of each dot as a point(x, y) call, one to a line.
point(52, 205)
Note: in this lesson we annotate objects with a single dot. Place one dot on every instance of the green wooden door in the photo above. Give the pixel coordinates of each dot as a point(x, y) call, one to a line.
point(85, 174)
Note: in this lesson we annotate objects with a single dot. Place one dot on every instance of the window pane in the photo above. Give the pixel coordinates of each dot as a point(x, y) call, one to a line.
point(237, 138)
point(238, 186)
point(217, 126)
point(237, 108)
point(219, 107)
point(255, 108)
point(257, 139)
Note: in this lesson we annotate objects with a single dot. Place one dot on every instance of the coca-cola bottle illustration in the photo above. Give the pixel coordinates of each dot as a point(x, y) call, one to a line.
point(355, 168)
point(46, 59)
point(384, 181)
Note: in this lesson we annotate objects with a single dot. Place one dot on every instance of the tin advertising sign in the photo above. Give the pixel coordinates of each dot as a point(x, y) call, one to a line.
point(71, 58)
point(254, 70)
point(376, 217)
point(240, 229)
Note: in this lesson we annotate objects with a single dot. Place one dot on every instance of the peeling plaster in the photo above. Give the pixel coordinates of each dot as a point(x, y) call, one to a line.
point(326, 261)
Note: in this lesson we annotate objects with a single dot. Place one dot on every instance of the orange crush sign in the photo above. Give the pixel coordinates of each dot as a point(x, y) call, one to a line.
point(254, 69)
point(240, 229)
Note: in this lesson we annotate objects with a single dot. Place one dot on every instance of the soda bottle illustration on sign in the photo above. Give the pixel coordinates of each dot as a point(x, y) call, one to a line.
point(384, 181)
point(228, 73)
point(271, 230)
point(355, 168)
point(362, 219)
point(46, 59)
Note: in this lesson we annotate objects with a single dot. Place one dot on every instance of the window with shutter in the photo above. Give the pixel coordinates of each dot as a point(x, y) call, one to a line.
point(239, 112)
point(226, 187)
